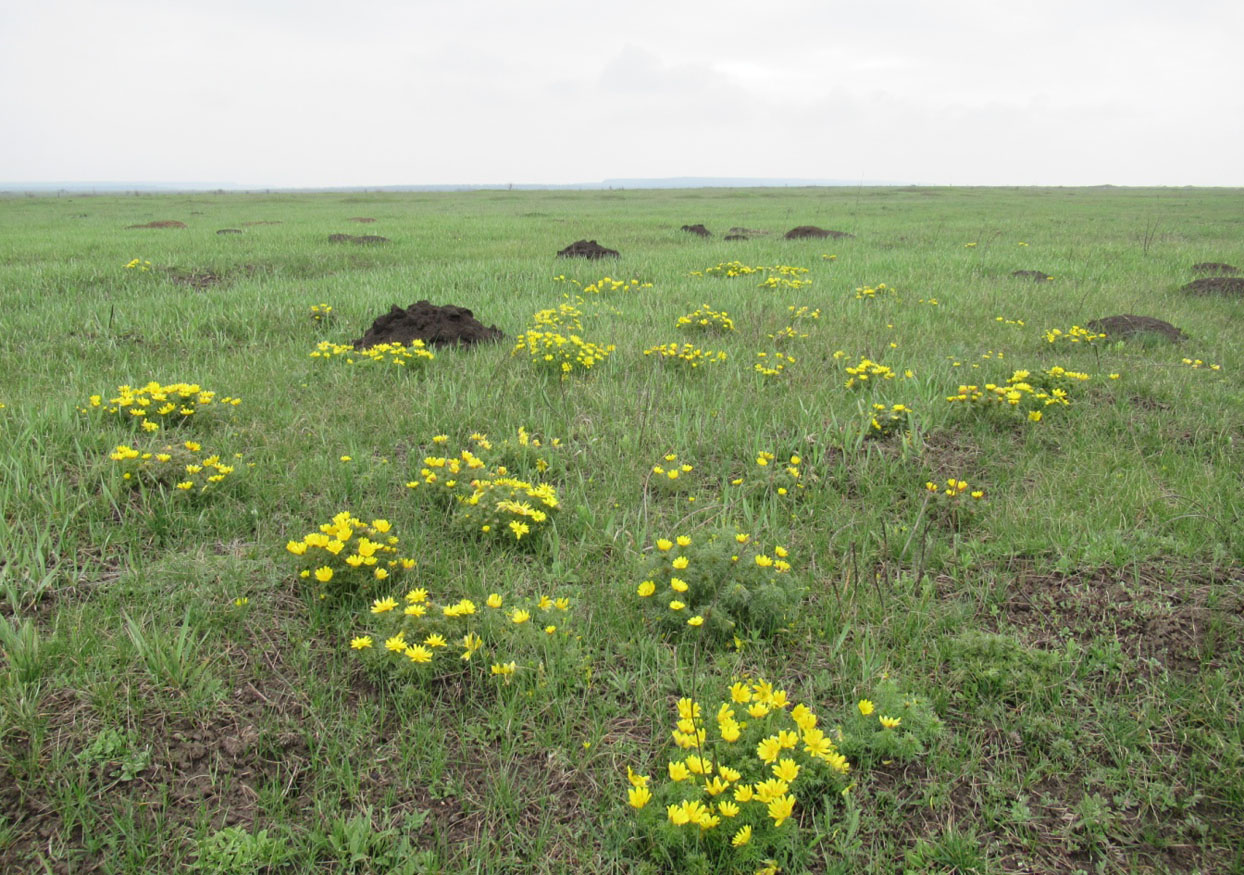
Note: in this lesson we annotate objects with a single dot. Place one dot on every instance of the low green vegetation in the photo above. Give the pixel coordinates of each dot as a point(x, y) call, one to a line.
point(751, 556)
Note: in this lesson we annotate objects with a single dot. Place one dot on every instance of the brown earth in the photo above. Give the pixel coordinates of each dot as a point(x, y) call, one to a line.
point(248, 224)
point(804, 232)
point(1219, 285)
point(1127, 325)
point(750, 232)
point(436, 326)
point(736, 237)
point(698, 229)
point(350, 238)
point(360, 219)
point(229, 231)
point(1214, 267)
point(167, 223)
point(587, 249)
point(195, 279)
point(1037, 276)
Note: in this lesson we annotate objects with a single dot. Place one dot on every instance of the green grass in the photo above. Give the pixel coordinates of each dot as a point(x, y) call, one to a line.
point(1077, 632)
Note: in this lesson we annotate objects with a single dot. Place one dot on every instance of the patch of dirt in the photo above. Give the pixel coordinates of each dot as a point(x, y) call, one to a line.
point(749, 232)
point(229, 231)
point(1179, 625)
point(249, 224)
point(446, 325)
point(698, 230)
point(358, 241)
point(736, 237)
point(587, 249)
point(363, 219)
point(1205, 267)
point(167, 223)
point(1216, 285)
point(805, 232)
point(1127, 325)
point(1037, 276)
point(195, 279)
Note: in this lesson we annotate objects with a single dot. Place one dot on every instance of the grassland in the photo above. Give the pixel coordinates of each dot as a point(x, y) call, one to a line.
point(173, 695)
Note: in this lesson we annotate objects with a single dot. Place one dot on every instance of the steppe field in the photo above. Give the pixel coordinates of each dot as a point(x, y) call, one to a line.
point(893, 562)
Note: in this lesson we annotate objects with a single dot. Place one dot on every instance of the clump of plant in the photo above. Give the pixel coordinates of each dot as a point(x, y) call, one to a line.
point(155, 405)
point(559, 353)
point(890, 724)
point(482, 497)
point(411, 356)
point(321, 313)
point(727, 795)
point(706, 320)
point(954, 501)
point(772, 364)
point(790, 332)
point(718, 588)
point(423, 637)
point(867, 372)
point(1021, 396)
point(139, 265)
point(184, 468)
point(871, 293)
point(1197, 364)
point(687, 356)
point(669, 475)
point(563, 317)
point(886, 421)
point(774, 477)
point(1075, 334)
point(776, 276)
point(786, 281)
point(347, 555)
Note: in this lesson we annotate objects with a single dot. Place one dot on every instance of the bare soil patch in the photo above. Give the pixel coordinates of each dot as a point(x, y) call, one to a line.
point(362, 219)
point(229, 231)
point(195, 279)
point(698, 230)
point(249, 224)
point(1127, 325)
point(1216, 285)
point(736, 237)
point(1212, 267)
point(447, 325)
point(1180, 626)
point(1037, 276)
point(805, 232)
point(364, 240)
point(748, 232)
point(166, 223)
point(587, 249)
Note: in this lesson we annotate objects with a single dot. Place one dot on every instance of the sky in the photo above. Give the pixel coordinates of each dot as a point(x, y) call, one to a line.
point(313, 93)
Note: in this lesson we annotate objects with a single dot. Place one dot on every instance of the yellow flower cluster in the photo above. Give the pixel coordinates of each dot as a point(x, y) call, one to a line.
point(1075, 334)
point(798, 313)
point(1018, 394)
point(790, 332)
point(772, 364)
point(560, 353)
point(778, 276)
point(564, 317)
point(321, 312)
point(186, 468)
point(155, 405)
point(402, 355)
point(1005, 321)
point(735, 779)
point(781, 478)
point(1198, 364)
point(138, 264)
point(785, 282)
point(708, 320)
point(429, 638)
point(674, 471)
point(349, 554)
point(885, 421)
point(954, 489)
point(604, 284)
point(688, 355)
point(867, 369)
point(869, 293)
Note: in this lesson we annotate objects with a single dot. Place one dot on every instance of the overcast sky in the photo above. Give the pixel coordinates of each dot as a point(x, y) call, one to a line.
point(320, 92)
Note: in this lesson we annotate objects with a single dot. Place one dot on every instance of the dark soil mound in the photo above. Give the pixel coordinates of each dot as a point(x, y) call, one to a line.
point(435, 326)
point(1126, 325)
point(195, 279)
point(229, 231)
point(1037, 276)
point(804, 232)
point(248, 224)
point(360, 219)
point(1214, 267)
point(698, 229)
point(587, 249)
point(350, 238)
point(736, 237)
point(168, 223)
point(1216, 285)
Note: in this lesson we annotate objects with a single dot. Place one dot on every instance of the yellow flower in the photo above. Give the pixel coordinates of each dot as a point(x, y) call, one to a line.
point(744, 793)
point(520, 616)
point(741, 693)
point(646, 589)
point(681, 562)
point(676, 605)
point(296, 547)
point(695, 621)
point(397, 643)
point(890, 722)
point(683, 540)
point(636, 779)
point(688, 709)
point(519, 529)
point(781, 808)
point(435, 641)
point(728, 808)
point(716, 786)
point(562, 604)
point(381, 574)
point(493, 600)
point(415, 596)
point(415, 610)
point(419, 653)
point(638, 796)
point(323, 574)
point(786, 770)
point(678, 584)
point(768, 749)
point(381, 526)
point(504, 669)
point(866, 707)
point(742, 837)
point(679, 772)
point(664, 545)
point(361, 643)
point(380, 606)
